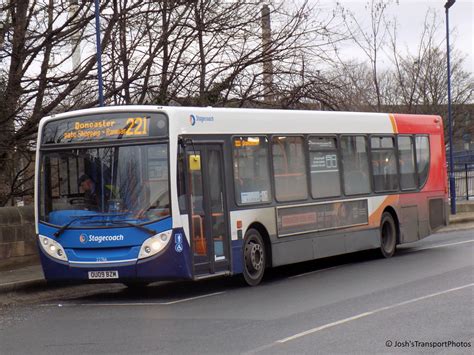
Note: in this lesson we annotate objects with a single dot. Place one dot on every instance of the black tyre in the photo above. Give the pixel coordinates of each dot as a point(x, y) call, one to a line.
point(254, 257)
point(388, 236)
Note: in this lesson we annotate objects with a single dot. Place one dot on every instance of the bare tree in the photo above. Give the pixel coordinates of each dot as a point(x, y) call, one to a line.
point(371, 40)
point(33, 60)
point(201, 52)
point(419, 80)
point(409, 82)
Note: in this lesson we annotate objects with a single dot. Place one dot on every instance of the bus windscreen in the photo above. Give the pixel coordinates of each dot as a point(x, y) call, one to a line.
point(129, 183)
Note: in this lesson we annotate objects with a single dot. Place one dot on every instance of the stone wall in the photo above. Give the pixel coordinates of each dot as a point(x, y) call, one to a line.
point(17, 232)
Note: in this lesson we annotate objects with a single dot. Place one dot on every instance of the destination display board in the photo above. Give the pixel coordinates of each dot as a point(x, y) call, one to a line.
point(110, 126)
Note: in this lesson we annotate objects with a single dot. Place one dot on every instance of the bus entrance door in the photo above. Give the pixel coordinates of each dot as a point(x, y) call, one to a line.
point(208, 215)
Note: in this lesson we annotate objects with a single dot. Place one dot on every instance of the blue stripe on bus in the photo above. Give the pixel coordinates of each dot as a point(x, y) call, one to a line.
point(172, 263)
point(90, 238)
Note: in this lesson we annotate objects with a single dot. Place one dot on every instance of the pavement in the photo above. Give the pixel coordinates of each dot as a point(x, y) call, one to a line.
point(23, 273)
point(20, 273)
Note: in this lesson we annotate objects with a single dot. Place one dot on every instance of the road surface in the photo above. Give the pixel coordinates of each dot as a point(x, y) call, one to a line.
point(421, 300)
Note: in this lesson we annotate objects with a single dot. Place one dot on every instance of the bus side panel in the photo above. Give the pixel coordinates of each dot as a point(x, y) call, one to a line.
point(298, 248)
point(312, 244)
point(431, 201)
point(317, 245)
point(409, 219)
point(434, 193)
point(362, 240)
point(245, 218)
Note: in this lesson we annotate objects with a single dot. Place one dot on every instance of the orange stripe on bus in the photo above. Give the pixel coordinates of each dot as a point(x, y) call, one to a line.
point(394, 123)
point(376, 216)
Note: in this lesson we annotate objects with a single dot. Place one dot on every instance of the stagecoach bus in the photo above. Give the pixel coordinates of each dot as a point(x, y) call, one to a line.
point(137, 194)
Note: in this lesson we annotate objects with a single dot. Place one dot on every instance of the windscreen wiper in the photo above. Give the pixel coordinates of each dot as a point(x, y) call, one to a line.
point(66, 226)
point(145, 229)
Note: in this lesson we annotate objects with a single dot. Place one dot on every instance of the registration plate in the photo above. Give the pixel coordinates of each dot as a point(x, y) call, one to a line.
point(100, 275)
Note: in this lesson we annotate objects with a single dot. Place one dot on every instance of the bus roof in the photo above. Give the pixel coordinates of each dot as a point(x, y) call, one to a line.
point(210, 120)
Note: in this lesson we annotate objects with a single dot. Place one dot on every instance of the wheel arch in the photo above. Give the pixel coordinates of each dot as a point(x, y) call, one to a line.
point(266, 239)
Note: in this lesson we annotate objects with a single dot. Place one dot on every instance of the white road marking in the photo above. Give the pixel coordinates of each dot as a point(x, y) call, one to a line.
point(444, 245)
point(362, 315)
point(194, 298)
point(408, 250)
point(131, 304)
point(329, 325)
point(316, 271)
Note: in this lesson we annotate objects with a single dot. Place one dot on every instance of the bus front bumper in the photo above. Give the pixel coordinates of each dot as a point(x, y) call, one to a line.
point(168, 265)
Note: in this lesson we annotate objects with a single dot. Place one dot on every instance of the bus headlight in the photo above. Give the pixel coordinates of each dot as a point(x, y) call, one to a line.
point(52, 248)
point(155, 244)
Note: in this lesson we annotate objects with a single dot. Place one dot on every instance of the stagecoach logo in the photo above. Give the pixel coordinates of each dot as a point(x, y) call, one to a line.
point(193, 119)
point(84, 238)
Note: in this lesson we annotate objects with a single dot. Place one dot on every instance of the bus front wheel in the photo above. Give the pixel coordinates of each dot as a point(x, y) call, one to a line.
point(254, 257)
point(388, 235)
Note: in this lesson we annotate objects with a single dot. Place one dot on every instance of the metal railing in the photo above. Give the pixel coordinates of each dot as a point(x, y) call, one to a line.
point(464, 175)
point(464, 181)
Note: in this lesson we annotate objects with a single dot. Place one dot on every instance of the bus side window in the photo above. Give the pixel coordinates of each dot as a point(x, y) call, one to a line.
point(324, 167)
point(289, 168)
point(406, 157)
point(355, 163)
point(384, 164)
point(251, 170)
point(422, 144)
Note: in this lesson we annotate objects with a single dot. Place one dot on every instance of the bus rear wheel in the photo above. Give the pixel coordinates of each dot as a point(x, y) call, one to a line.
point(254, 257)
point(388, 235)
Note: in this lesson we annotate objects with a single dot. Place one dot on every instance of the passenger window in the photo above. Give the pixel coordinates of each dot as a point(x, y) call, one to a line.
point(422, 158)
point(251, 173)
point(324, 167)
point(289, 168)
point(406, 158)
point(384, 164)
point(381, 143)
point(355, 164)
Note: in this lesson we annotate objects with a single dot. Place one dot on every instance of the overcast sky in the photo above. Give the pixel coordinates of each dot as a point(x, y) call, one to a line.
point(410, 15)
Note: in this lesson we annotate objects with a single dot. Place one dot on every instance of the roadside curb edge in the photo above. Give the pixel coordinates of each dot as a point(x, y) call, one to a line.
point(20, 285)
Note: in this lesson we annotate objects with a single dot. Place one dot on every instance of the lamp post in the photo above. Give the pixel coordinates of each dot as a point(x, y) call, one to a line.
point(452, 186)
point(99, 53)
